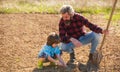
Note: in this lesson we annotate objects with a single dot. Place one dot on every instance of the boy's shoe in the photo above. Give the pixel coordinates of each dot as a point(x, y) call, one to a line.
point(52, 64)
point(40, 65)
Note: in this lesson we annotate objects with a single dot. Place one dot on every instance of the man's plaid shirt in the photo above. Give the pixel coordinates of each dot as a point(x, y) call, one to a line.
point(76, 28)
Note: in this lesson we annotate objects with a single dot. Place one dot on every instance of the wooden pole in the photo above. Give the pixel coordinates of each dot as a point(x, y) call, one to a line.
point(108, 24)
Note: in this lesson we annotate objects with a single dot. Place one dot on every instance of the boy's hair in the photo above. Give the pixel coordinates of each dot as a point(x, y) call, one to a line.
point(53, 38)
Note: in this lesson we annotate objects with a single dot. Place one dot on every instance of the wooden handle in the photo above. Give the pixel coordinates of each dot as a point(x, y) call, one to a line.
point(108, 24)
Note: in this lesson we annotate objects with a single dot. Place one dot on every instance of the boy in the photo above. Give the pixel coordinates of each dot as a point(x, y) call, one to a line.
point(50, 51)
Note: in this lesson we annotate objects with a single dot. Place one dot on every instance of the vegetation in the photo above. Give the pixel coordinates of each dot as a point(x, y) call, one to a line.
point(44, 7)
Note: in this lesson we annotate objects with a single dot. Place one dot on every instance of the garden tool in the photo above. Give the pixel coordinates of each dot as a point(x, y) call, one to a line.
point(97, 56)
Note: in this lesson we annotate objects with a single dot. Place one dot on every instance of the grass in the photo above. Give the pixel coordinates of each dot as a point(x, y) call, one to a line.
point(89, 10)
point(23, 7)
point(100, 10)
point(28, 7)
point(115, 17)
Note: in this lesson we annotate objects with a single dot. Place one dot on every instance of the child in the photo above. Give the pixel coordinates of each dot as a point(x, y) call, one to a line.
point(50, 51)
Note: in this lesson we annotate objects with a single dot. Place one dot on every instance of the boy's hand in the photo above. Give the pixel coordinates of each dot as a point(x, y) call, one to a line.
point(58, 63)
point(65, 65)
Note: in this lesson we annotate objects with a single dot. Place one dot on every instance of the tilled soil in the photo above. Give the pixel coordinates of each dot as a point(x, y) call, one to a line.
point(22, 35)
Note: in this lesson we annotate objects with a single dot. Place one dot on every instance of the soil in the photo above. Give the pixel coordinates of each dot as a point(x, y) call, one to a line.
point(22, 35)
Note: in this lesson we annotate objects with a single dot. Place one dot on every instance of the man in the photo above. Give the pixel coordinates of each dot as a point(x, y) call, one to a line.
point(73, 34)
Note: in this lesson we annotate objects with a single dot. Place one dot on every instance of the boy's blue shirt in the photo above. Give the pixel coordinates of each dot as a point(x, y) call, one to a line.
point(49, 51)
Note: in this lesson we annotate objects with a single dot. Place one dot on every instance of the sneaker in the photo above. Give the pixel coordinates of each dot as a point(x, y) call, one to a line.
point(52, 64)
point(40, 65)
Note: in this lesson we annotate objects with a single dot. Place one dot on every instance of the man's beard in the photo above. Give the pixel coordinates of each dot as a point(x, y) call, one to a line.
point(67, 22)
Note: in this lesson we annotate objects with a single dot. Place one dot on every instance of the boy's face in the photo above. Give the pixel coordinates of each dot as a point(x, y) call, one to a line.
point(54, 45)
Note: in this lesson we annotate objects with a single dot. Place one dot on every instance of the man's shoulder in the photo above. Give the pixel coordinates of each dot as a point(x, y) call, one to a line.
point(61, 22)
point(78, 16)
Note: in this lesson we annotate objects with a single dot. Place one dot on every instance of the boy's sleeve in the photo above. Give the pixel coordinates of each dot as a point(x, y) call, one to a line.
point(57, 51)
point(47, 52)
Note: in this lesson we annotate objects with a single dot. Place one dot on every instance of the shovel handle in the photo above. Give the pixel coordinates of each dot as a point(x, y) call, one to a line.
point(108, 24)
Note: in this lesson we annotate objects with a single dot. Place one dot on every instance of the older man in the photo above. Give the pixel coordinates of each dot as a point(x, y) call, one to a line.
point(73, 34)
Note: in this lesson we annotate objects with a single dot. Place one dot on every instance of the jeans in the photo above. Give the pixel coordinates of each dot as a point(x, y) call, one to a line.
point(90, 37)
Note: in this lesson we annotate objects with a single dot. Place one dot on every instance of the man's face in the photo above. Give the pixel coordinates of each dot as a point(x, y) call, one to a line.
point(66, 16)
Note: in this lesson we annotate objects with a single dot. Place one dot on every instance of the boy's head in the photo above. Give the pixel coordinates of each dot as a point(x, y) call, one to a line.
point(53, 39)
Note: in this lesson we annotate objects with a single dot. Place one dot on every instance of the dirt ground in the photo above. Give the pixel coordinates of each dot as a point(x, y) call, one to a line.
point(22, 35)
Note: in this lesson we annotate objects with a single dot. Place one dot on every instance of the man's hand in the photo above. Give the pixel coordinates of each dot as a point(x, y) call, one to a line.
point(76, 42)
point(105, 32)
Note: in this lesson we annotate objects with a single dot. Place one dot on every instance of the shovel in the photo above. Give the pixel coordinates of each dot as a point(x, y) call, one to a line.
point(97, 56)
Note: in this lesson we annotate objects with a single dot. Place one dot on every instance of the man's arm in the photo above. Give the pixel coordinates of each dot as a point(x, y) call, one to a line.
point(90, 25)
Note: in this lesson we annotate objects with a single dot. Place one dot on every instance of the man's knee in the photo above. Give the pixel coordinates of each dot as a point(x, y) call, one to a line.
point(66, 47)
point(68, 50)
point(96, 36)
